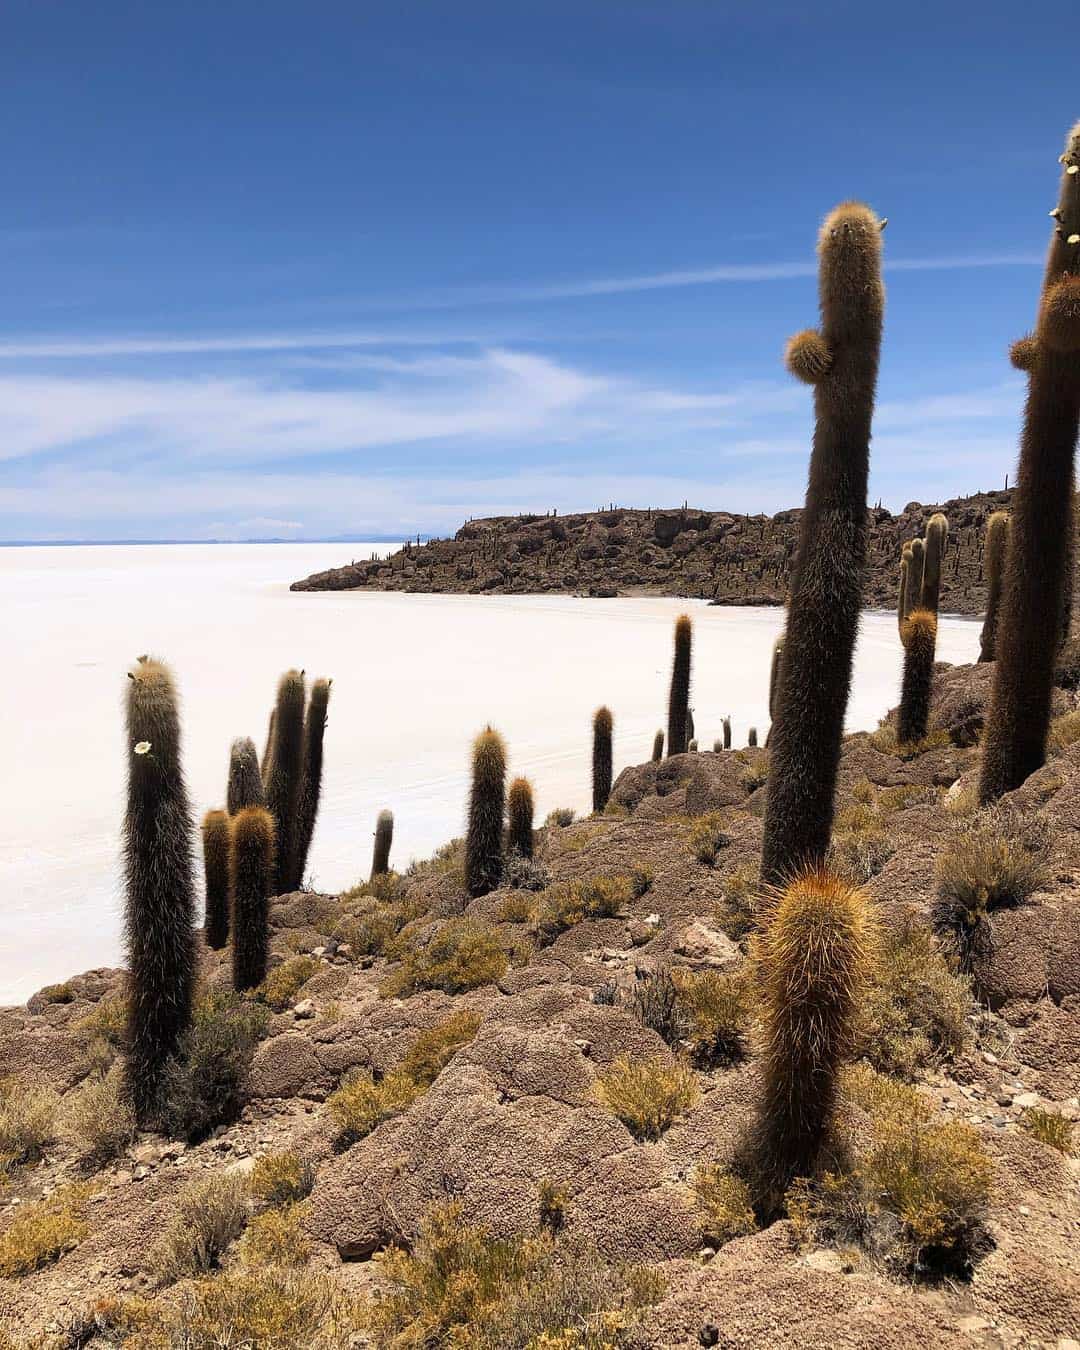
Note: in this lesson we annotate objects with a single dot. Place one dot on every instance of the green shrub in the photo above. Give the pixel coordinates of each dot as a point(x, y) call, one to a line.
point(370, 925)
point(276, 1237)
point(460, 1286)
point(462, 954)
point(560, 817)
point(572, 902)
point(1065, 730)
point(647, 1095)
point(43, 1231)
point(284, 982)
point(736, 913)
point(211, 1214)
point(914, 1012)
point(361, 1103)
point(281, 1178)
point(717, 1008)
point(435, 1048)
point(204, 1086)
point(706, 837)
point(725, 1203)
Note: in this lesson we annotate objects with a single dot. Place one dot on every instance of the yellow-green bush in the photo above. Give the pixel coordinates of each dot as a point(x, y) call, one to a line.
point(43, 1231)
point(284, 982)
point(1065, 730)
point(885, 740)
point(647, 1095)
point(361, 1103)
point(433, 1049)
point(27, 1121)
point(736, 913)
point(461, 954)
point(998, 860)
point(370, 924)
point(572, 902)
point(516, 907)
point(281, 1178)
point(725, 1203)
point(276, 1237)
point(102, 1031)
point(914, 1012)
point(462, 1287)
point(717, 1009)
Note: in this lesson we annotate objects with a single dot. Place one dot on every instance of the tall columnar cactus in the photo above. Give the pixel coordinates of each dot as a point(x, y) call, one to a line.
point(937, 538)
point(251, 876)
point(285, 774)
point(307, 806)
point(1018, 718)
point(520, 810)
point(384, 838)
point(1065, 627)
point(678, 699)
point(751, 737)
point(245, 782)
point(920, 639)
point(483, 838)
point(727, 733)
point(814, 680)
point(268, 749)
point(997, 539)
point(658, 747)
point(601, 758)
point(774, 672)
point(216, 844)
point(916, 573)
point(812, 961)
point(159, 909)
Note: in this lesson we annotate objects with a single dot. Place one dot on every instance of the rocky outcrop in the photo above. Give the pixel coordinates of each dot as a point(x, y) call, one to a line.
point(719, 555)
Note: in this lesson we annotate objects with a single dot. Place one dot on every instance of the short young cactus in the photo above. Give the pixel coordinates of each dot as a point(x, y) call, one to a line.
point(916, 573)
point(252, 874)
point(384, 838)
point(997, 539)
point(216, 844)
point(520, 810)
point(487, 799)
point(814, 678)
point(1036, 562)
point(245, 786)
point(603, 725)
point(812, 960)
point(159, 909)
point(920, 639)
point(727, 733)
point(658, 747)
point(678, 700)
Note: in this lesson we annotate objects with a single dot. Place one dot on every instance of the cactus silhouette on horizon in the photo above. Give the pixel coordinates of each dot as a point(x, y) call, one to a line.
point(384, 838)
point(159, 873)
point(658, 747)
point(814, 678)
point(307, 806)
point(1036, 560)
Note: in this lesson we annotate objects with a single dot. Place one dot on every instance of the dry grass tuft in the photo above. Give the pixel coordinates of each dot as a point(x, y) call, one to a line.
point(884, 739)
point(717, 1010)
point(361, 1103)
point(1064, 731)
point(211, 1214)
point(737, 912)
point(281, 1178)
point(706, 837)
point(914, 1013)
point(100, 1118)
point(276, 1237)
point(647, 1095)
point(1050, 1127)
point(572, 902)
point(435, 1048)
point(27, 1122)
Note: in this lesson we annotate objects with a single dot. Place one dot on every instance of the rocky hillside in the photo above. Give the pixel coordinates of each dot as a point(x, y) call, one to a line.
point(733, 559)
point(525, 1113)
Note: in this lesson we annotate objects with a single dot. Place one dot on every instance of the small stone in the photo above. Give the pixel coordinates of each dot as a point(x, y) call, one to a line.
point(638, 933)
point(1026, 1100)
point(1004, 1099)
point(304, 1009)
point(709, 1335)
point(1025, 1210)
point(707, 1253)
point(974, 1323)
point(141, 1173)
point(989, 1057)
point(344, 949)
point(653, 920)
point(318, 951)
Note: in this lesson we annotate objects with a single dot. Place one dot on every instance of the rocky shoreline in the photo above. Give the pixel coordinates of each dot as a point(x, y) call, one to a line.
point(728, 558)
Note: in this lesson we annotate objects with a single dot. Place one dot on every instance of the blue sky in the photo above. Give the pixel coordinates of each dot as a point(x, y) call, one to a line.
point(298, 270)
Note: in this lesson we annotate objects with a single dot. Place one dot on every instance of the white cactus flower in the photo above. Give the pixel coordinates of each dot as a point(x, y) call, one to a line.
point(142, 747)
